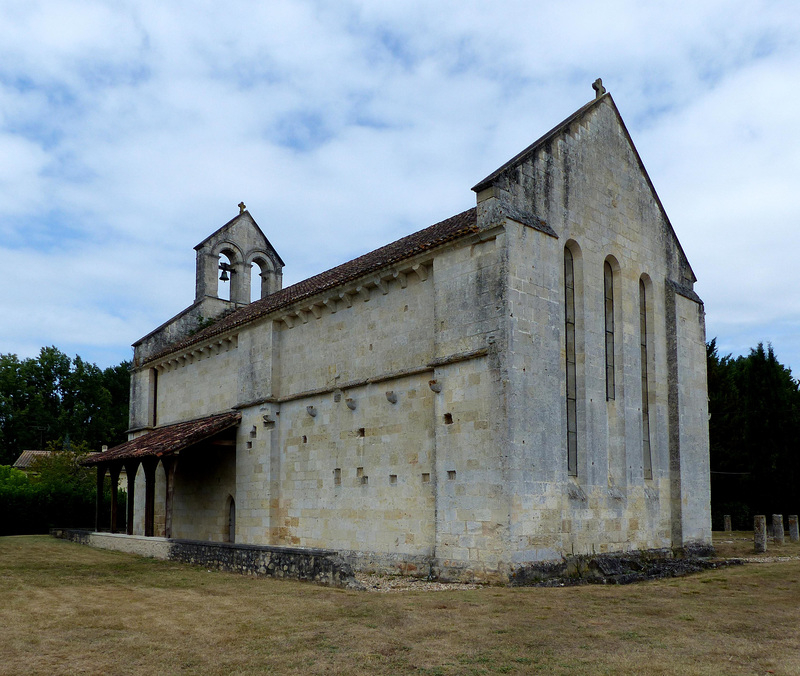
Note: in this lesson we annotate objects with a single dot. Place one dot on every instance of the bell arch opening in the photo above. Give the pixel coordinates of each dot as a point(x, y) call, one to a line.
point(224, 279)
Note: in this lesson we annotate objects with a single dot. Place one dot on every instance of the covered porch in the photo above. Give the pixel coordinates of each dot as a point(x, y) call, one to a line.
point(168, 445)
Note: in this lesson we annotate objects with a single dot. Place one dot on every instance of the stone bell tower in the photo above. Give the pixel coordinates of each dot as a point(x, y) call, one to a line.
point(244, 244)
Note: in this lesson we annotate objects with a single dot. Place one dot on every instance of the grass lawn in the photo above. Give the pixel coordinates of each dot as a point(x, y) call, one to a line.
point(69, 609)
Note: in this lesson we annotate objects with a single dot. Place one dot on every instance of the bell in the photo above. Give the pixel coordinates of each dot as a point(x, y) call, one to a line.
point(224, 276)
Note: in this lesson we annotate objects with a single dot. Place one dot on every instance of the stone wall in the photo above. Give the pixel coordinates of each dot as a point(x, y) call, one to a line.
point(588, 185)
point(417, 419)
point(205, 482)
point(360, 453)
point(314, 565)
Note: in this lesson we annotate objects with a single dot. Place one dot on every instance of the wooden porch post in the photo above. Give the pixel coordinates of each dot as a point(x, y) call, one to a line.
point(98, 505)
point(149, 465)
point(130, 470)
point(114, 471)
point(169, 463)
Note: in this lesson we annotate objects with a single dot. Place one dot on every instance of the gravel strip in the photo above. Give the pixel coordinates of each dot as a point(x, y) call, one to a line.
point(393, 584)
point(767, 559)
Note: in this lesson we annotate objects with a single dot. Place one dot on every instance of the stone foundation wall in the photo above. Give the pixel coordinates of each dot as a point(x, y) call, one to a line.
point(314, 565)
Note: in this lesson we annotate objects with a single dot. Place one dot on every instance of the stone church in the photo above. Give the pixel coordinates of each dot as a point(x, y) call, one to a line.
point(519, 383)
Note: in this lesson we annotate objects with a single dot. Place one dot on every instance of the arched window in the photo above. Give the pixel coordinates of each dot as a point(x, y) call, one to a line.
point(608, 284)
point(647, 462)
point(569, 345)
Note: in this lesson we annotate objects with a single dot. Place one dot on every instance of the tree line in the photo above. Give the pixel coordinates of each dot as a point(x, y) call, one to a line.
point(54, 398)
point(754, 429)
point(68, 407)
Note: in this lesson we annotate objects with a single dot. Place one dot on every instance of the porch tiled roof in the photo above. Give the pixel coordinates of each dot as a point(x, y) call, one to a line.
point(167, 439)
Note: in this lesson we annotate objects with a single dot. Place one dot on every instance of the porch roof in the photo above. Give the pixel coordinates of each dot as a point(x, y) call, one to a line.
point(167, 439)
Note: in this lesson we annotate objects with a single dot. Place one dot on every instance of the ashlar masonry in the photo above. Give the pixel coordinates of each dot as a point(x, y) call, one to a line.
point(522, 382)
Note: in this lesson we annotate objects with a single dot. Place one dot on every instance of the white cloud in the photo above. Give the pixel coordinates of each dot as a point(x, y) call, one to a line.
point(131, 130)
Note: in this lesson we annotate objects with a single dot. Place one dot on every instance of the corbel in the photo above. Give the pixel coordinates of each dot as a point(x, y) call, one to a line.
point(401, 278)
point(391, 397)
point(330, 303)
point(363, 293)
point(422, 271)
point(383, 286)
point(351, 403)
point(345, 298)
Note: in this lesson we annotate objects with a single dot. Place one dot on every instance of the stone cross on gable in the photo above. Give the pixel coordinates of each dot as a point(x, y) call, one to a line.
point(597, 85)
point(242, 207)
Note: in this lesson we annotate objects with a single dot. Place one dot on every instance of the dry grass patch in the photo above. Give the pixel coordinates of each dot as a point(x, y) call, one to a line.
point(69, 609)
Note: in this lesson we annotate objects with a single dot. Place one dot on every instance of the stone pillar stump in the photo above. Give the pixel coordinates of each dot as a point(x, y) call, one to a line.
point(794, 534)
point(727, 523)
point(760, 533)
point(777, 528)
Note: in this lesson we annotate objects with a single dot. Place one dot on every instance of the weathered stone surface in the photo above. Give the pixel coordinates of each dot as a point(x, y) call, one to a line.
point(760, 533)
point(794, 533)
point(726, 523)
point(777, 528)
point(312, 565)
point(613, 569)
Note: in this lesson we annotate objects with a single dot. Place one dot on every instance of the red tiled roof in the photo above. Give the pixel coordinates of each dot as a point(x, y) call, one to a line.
point(168, 439)
point(424, 240)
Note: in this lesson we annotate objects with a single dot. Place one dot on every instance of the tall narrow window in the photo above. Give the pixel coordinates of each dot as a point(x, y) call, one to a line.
point(608, 275)
point(646, 456)
point(569, 338)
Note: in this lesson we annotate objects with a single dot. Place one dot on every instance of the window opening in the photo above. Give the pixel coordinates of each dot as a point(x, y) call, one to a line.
point(646, 454)
point(255, 282)
point(608, 275)
point(569, 344)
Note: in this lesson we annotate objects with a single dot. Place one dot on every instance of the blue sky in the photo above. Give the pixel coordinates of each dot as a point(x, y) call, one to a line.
point(129, 131)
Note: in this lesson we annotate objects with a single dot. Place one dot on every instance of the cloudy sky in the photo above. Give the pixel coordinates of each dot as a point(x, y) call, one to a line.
point(129, 131)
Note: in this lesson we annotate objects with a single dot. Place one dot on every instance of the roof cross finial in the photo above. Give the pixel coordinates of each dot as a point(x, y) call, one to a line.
point(597, 85)
point(242, 207)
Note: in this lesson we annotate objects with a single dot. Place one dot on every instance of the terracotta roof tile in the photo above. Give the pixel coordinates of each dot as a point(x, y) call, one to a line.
point(423, 240)
point(168, 439)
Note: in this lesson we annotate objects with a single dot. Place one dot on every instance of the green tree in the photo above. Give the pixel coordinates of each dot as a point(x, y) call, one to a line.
point(754, 429)
point(53, 396)
point(58, 493)
point(61, 469)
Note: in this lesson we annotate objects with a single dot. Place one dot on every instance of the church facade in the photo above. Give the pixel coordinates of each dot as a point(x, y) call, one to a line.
point(522, 382)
